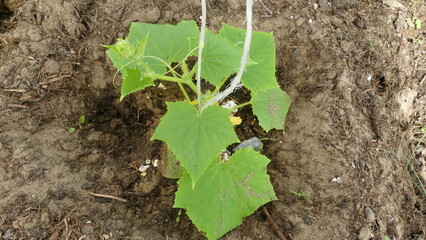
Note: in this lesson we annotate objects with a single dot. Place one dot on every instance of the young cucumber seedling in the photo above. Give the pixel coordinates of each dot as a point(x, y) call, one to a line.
point(216, 194)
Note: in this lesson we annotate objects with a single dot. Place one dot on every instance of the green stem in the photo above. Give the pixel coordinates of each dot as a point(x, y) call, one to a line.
point(193, 71)
point(192, 86)
point(220, 85)
point(168, 78)
point(172, 70)
point(176, 80)
point(182, 89)
point(184, 92)
point(241, 105)
point(184, 68)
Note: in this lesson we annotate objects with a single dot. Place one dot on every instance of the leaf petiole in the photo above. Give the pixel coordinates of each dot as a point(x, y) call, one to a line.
point(184, 92)
point(176, 80)
point(220, 85)
point(169, 79)
point(241, 105)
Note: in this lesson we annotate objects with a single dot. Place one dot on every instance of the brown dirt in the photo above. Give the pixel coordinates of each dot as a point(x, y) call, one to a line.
point(356, 73)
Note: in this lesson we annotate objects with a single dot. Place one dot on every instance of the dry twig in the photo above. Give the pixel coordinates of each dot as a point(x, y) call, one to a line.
point(274, 225)
point(108, 196)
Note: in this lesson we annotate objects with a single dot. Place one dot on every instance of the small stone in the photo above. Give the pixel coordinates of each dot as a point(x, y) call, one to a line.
point(54, 208)
point(34, 35)
point(371, 216)
point(300, 22)
point(9, 234)
point(70, 146)
point(147, 184)
point(16, 224)
point(87, 229)
point(337, 180)
point(323, 4)
point(155, 163)
point(45, 219)
point(143, 168)
point(107, 174)
point(365, 234)
point(51, 66)
point(153, 15)
point(115, 122)
point(94, 136)
point(287, 226)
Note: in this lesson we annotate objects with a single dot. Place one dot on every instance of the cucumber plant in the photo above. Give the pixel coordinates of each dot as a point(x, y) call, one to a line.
point(216, 193)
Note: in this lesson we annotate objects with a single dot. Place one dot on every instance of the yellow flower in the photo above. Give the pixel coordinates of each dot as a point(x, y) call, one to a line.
point(235, 120)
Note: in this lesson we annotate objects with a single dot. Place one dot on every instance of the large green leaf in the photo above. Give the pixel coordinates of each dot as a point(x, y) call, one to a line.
point(195, 138)
point(226, 193)
point(262, 51)
point(167, 42)
point(271, 107)
point(134, 80)
point(221, 58)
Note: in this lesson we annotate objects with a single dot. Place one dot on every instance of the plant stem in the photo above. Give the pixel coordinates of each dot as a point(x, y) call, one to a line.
point(182, 89)
point(192, 86)
point(172, 70)
point(220, 85)
point(184, 92)
point(200, 49)
point(170, 79)
point(193, 71)
point(177, 80)
point(236, 81)
point(184, 67)
point(241, 105)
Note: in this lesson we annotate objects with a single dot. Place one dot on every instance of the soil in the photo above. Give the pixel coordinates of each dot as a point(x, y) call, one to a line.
point(354, 69)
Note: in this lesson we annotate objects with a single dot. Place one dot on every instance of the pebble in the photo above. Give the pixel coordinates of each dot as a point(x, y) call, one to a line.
point(54, 208)
point(115, 122)
point(323, 4)
point(87, 229)
point(70, 146)
point(107, 174)
point(94, 136)
point(365, 234)
point(371, 216)
point(51, 66)
point(1, 146)
point(9, 234)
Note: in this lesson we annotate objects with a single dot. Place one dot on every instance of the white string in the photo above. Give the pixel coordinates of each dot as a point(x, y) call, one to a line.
point(200, 49)
point(236, 81)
